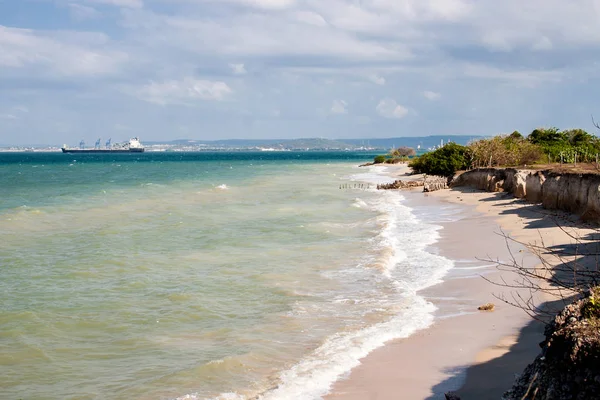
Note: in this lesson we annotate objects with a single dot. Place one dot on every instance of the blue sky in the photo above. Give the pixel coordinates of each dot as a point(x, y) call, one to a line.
point(218, 69)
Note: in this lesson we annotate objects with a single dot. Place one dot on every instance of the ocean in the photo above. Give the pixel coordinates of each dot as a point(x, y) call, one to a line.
point(243, 275)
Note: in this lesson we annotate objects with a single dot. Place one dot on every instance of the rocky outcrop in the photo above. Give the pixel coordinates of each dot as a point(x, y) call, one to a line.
point(574, 193)
point(569, 365)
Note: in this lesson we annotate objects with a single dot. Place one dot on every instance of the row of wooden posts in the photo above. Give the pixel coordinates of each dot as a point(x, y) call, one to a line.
point(362, 186)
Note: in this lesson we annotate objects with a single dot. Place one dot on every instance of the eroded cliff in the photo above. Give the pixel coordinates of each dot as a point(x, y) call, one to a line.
point(569, 365)
point(574, 193)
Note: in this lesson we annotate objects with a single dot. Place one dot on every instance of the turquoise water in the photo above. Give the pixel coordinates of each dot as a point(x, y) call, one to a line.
point(201, 275)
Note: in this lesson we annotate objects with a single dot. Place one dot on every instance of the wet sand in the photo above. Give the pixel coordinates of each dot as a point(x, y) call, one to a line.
point(472, 352)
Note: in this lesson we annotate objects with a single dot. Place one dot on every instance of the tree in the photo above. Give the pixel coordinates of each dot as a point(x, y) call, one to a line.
point(567, 145)
point(546, 136)
point(404, 152)
point(516, 135)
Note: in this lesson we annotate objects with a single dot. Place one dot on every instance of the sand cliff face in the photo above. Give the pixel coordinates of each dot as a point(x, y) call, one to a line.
point(574, 193)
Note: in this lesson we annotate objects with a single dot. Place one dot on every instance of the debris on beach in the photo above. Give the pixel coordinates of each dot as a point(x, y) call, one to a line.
point(432, 183)
point(399, 184)
point(486, 307)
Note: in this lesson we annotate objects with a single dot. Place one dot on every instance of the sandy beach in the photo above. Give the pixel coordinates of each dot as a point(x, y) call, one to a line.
point(474, 353)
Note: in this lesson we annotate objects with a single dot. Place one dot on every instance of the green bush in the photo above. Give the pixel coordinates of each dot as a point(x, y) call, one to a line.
point(396, 160)
point(557, 145)
point(444, 161)
point(591, 309)
point(542, 145)
point(379, 159)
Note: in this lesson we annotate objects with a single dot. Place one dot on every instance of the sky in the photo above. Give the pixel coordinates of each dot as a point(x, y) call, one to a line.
point(259, 69)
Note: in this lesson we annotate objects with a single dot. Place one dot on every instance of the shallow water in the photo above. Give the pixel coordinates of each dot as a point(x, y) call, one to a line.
point(202, 276)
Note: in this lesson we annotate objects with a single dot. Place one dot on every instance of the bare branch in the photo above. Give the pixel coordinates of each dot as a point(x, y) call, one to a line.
point(594, 122)
point(561, 273)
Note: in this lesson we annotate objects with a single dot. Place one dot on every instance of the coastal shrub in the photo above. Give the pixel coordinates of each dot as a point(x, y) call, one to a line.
point(403, 152)
point(509, 150)
point(379, 159)
point(396, 160)
point(542, 145)
point(444, 161)
point(591, 309)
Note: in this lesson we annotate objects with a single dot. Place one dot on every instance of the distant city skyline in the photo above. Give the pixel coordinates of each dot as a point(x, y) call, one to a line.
point(269, 69)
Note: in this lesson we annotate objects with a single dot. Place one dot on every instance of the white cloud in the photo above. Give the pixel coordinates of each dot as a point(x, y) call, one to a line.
point(238, 69)
point(376, 79)
point(183, 92)
point(80, 12)
point(521, 77)
point(388, 108)
point(339, 107)
point(264, 4)
point(429, 95)
point(8, 116)
point(488, 54)
point(257, 35)
point(310, 18)
point(120, 3)
point(65, 55)
point(543, 44)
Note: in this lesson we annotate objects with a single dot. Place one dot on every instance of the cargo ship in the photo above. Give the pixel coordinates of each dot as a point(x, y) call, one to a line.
point(133, 146)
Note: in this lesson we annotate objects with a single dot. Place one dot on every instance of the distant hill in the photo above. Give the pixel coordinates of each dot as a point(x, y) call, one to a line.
point(376, 144)
point(315, 144)
point(424, 141)
point(321, 143)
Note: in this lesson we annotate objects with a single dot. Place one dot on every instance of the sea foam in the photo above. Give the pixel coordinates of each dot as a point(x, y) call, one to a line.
point(312, 377)
point(399, 255)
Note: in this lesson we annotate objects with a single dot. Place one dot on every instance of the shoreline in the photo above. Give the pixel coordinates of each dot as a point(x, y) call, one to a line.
point(451, 355)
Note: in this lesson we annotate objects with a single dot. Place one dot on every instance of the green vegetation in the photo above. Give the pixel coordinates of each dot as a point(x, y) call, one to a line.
point(591, 309)
point(504, 151)
point(564, 146)
point(401, 154)
point(404, 152)
point(379, 159)
point(543, 145)
point(444, 161)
